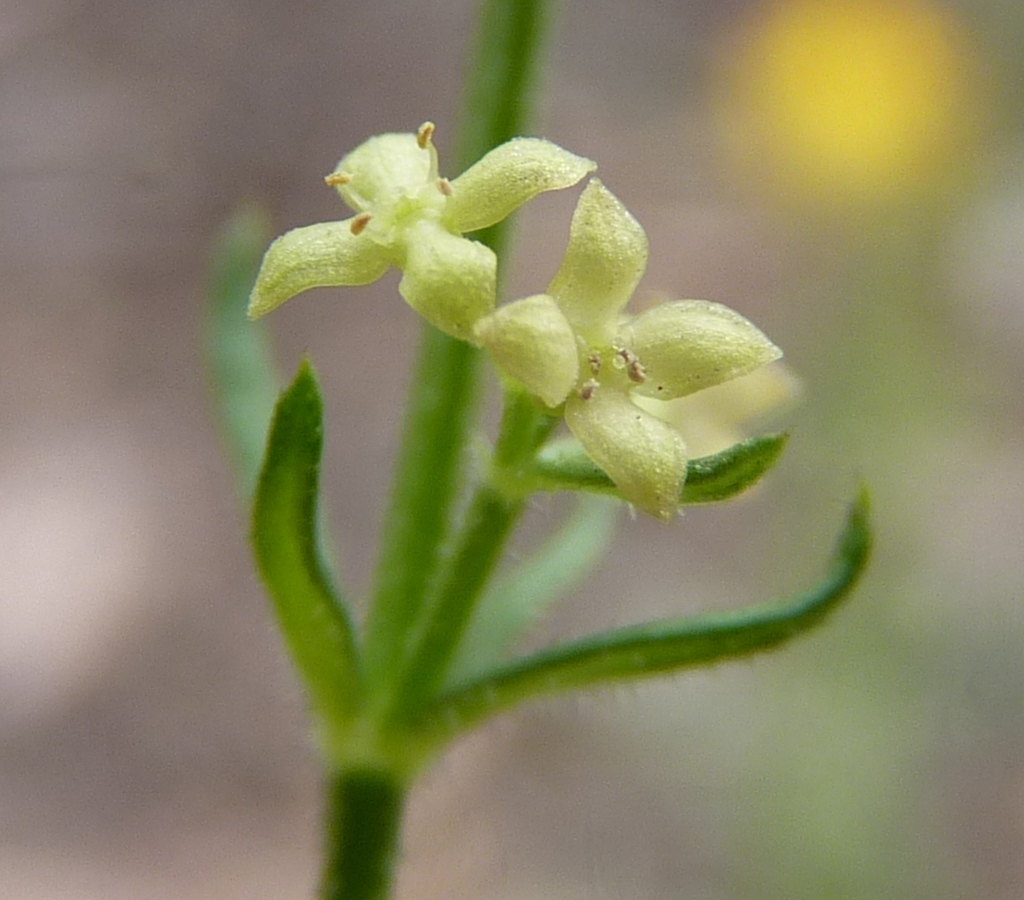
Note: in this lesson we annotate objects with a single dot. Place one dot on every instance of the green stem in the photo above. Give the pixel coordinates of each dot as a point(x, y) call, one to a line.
point(425, 487)
point(500, 89)
point(363, 827)
point(365, 808)
point(496, 108)
point(524, 427)
point(488, 522)
point(501, 81)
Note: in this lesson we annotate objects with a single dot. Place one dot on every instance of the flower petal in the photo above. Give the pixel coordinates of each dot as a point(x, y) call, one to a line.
point(533, 342)
point(322, 255)
point(605, 259)
point(382, 167)
point(687, 345)
point(451, 281)
point(507, 177)
point(644, 456)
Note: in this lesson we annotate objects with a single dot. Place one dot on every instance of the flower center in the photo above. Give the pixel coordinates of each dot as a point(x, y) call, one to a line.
point(616, 368)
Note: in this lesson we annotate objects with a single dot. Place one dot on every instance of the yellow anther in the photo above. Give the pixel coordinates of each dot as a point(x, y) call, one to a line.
point(360, 222)
point(424, 134)
point(336, 178)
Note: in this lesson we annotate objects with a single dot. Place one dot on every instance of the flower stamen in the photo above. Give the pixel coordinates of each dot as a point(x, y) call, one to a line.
point(337, 178)
point(634, 368)
point(360, 222)
point(424, 134)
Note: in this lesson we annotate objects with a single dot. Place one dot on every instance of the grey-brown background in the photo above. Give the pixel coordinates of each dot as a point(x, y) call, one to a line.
point(152, 739)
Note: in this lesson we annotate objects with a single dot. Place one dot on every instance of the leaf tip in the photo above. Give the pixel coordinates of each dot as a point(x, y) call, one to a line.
point(856, 541)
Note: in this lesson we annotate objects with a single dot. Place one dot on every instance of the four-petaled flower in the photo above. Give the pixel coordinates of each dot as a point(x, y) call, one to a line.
point(572, 345)
point(408, 216)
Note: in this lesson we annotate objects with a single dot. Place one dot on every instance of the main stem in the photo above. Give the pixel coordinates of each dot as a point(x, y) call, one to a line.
point(487, 524)
point(364, 807)
point(426, 486)
point(364, 817)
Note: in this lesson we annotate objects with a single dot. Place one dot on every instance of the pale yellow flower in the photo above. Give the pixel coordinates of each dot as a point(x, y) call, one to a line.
point(573, 345)
point(410, 217)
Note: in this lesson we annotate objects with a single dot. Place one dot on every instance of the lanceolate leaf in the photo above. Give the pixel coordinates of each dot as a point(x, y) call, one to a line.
point(658, 647)
point(312, 616)
point(725, 474)
point(564, 466)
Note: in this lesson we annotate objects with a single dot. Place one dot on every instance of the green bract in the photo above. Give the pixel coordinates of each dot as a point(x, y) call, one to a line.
point(410, 217)
point(574, 346)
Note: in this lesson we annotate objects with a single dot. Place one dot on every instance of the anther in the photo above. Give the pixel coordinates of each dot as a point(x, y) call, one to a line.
point(594, 360)
point(424, 134)
point(336, 178)
point(360, 222)
point(636, 372)
point(588, 389)
point(444, 186)
point(634, 368)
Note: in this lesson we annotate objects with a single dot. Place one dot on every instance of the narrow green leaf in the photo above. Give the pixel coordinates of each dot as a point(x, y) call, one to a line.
point(725, 474)
point(243, 378)
point(653, 648)
point(519, 599)
point(314, 620)
point(564, 466)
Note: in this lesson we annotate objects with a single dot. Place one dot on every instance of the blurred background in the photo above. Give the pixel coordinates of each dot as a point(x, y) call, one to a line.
point(850, 175)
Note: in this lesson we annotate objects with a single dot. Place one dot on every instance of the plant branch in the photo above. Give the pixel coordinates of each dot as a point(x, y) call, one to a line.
point(643, 650)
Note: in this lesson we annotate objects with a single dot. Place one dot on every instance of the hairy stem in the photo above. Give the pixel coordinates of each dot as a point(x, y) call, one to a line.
point(364, 808)
point(499, 95)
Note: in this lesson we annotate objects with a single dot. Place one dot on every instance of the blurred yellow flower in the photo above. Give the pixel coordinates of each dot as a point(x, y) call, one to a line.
point(841, 102)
